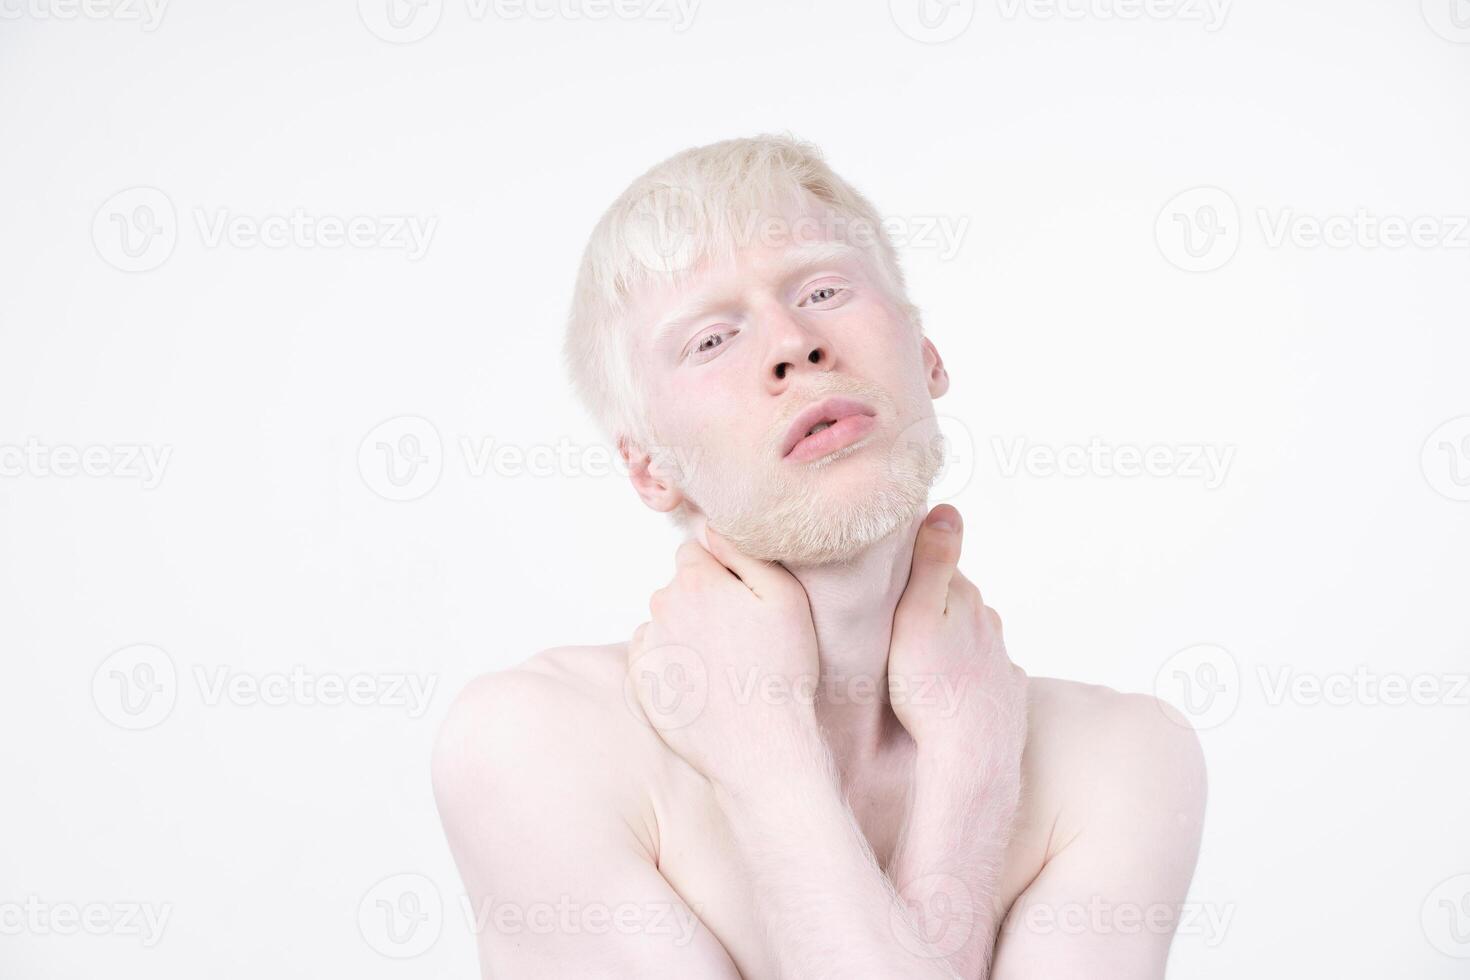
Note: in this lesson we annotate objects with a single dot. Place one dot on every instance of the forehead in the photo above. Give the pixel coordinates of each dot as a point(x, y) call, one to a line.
point(764, 251)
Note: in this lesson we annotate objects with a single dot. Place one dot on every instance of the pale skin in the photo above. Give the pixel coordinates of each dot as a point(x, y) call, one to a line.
point(930, 813)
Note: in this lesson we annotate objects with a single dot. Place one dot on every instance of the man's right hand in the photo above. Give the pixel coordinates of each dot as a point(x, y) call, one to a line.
point(726, 668)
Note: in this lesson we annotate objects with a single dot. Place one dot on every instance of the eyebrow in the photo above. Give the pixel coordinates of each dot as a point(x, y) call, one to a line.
point(793, 261)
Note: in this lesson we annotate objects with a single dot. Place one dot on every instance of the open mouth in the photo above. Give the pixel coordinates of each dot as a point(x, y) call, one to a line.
point(827, 426)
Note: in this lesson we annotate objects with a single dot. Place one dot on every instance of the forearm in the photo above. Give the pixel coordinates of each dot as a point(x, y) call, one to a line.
point(953, 848)
point(827, 908)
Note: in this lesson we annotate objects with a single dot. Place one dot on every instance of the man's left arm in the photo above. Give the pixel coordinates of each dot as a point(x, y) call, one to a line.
point(1107, 903)
point(1129, 768)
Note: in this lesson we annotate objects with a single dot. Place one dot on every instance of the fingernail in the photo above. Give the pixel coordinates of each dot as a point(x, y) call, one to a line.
point(941, 521)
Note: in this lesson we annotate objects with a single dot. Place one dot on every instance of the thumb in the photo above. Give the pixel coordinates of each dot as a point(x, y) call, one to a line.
point(936, 553)
point(765, 579)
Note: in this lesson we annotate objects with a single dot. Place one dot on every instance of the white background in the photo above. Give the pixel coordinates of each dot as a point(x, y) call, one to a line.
point(1334, 544)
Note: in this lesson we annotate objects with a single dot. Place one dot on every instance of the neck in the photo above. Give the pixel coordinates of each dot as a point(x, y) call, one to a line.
point(852, 605)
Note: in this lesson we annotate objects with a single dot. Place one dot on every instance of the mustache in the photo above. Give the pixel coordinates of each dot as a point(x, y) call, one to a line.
point(823, 386)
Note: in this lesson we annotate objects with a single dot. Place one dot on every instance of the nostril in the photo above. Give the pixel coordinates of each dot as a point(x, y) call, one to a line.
point(814, 356)
point(781, 371)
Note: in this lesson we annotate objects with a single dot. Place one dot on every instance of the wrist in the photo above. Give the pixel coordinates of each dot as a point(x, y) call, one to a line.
point(779, 782)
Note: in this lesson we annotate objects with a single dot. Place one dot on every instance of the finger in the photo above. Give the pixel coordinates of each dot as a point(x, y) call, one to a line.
point(936, 554)
point(636, 644)
point(762, 578)
point(691, 554)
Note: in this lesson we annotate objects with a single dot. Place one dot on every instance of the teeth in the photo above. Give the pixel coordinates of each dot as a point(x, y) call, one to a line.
point(819, 427)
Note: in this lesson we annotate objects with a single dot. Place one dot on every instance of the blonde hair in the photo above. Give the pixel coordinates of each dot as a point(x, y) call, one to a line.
point(678, 215)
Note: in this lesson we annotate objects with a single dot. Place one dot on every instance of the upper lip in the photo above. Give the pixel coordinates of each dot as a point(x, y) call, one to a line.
point(826, 410)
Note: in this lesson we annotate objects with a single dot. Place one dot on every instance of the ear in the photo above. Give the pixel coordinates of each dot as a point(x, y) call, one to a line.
point(656, 488)
point(935, 375)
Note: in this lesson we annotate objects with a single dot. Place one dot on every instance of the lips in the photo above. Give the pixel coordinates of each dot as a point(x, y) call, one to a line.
point(838, 421)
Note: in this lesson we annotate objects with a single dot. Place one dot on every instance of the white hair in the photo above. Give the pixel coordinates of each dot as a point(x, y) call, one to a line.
point(684, 212)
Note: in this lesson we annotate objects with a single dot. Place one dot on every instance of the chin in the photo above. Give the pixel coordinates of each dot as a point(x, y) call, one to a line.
point(842, 505)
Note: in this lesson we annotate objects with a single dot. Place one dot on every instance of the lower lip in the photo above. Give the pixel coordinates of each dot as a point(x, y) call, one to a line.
point(839, 435)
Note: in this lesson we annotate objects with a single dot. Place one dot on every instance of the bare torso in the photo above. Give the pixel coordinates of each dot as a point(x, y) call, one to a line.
point(676, 825)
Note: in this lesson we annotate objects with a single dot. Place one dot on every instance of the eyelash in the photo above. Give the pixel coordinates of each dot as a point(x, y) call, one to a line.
point(700, 349)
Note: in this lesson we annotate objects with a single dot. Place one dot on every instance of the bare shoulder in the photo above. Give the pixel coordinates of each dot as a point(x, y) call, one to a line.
point(1095, 754)
point(554, 729)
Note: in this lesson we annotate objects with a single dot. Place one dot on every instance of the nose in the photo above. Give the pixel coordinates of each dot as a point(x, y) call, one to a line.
point(794, 349)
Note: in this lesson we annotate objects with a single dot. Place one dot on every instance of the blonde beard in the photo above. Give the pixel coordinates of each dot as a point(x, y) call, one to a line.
point(771, 513)
point(797, 528)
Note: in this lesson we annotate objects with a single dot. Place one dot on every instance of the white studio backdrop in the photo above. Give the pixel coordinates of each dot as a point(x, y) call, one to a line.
point(289, 455)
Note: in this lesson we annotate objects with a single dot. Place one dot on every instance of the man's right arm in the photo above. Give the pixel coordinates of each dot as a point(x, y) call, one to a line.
point(560, 880)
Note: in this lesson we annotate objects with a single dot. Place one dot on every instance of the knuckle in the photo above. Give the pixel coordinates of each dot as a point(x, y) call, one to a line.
point(994, 619)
